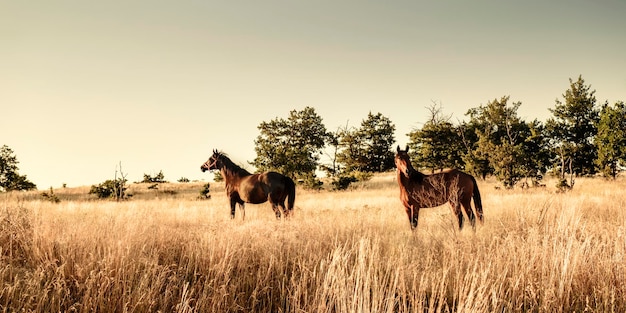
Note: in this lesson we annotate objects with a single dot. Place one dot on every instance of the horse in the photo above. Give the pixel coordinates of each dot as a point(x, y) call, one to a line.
point(243, 187)
point(451, 186)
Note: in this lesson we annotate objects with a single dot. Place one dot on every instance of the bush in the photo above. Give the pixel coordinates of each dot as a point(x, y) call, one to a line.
point(158, 178)
point(311, 182)
point(50, 196)
point(183, 180)
point(110, 189)
point(563, 185)
point(343, 182)
point(363, 176)
point(204, 193)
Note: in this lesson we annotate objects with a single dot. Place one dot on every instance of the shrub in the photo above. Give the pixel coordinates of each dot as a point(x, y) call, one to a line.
point(158, 178)
point(110, 189)
point(204, 193)
point(311, 182)
point(343, 182)
point(50, 196)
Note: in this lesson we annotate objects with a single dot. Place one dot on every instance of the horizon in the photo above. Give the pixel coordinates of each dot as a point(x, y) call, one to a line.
point(156, 86)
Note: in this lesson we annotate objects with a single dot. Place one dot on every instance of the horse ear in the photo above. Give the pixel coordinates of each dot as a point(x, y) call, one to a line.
point(214, 151)
point(407, 148)
point(398, 149)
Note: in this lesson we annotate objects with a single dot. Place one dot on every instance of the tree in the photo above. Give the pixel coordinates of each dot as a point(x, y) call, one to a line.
point(476, 161)
point(291, 146)
point(334, 144)
point(573, 128)
point(438, 144)
point(535, 152)
point(611, 139)
point(112, 188)
point(10, 179)
point(503, 142)
point(377, 137)
point(368, 148)
point(351, 156)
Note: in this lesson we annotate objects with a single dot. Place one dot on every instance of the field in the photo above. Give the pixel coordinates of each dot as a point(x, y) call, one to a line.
point(352, 251)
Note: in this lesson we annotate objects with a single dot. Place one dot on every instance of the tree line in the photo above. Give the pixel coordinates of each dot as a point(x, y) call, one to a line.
point(581, 138)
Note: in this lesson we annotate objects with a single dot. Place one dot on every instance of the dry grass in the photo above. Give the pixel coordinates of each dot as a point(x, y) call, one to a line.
point(347, 251)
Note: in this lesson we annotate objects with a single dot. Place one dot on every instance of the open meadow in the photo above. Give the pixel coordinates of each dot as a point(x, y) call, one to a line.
point(349, 251)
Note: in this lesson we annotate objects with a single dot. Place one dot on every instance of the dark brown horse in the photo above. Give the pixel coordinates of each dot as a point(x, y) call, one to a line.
point(418, 190)
point(244, 187)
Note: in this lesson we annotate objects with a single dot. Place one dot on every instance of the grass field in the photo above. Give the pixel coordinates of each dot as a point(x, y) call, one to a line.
point(350, 251)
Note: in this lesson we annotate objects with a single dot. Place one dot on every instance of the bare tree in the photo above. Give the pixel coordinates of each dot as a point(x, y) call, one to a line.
point(120, 183)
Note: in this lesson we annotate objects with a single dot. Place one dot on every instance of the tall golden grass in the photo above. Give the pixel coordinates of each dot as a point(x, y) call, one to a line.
point(349, 251)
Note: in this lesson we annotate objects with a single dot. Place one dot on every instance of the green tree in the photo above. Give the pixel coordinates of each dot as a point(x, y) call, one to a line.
point(503, 141)
point(377, 137)
point(611, 139)
point(475, 160)
point(10, 179)
point(572, 130)
point(535, 152)
point(438, 144)
point(351, 156)
point(291, 146)
point(368, 148)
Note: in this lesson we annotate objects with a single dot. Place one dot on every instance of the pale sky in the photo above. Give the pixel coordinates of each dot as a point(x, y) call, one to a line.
point(158, 85)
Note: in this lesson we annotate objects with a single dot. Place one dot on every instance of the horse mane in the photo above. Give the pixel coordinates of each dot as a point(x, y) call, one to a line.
point(415, 175)
point(230, 167)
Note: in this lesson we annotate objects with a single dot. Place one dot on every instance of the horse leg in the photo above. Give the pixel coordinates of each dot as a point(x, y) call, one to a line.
point(276, 209)
point(278, 204)
point(413, 215)
point(281, 203)
point(242, 206)
point(233, 203)
point(284, 209)
point(468, 210)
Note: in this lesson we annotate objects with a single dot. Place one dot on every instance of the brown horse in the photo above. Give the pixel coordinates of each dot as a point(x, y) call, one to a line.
point(418, 190)
point(244, 187)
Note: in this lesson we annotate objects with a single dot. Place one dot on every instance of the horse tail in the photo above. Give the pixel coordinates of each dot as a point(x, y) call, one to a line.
point(291, 193)
point(478, 204)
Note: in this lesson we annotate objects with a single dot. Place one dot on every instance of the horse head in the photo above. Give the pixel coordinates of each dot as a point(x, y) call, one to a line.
point(213, 163)
point(403, 161)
